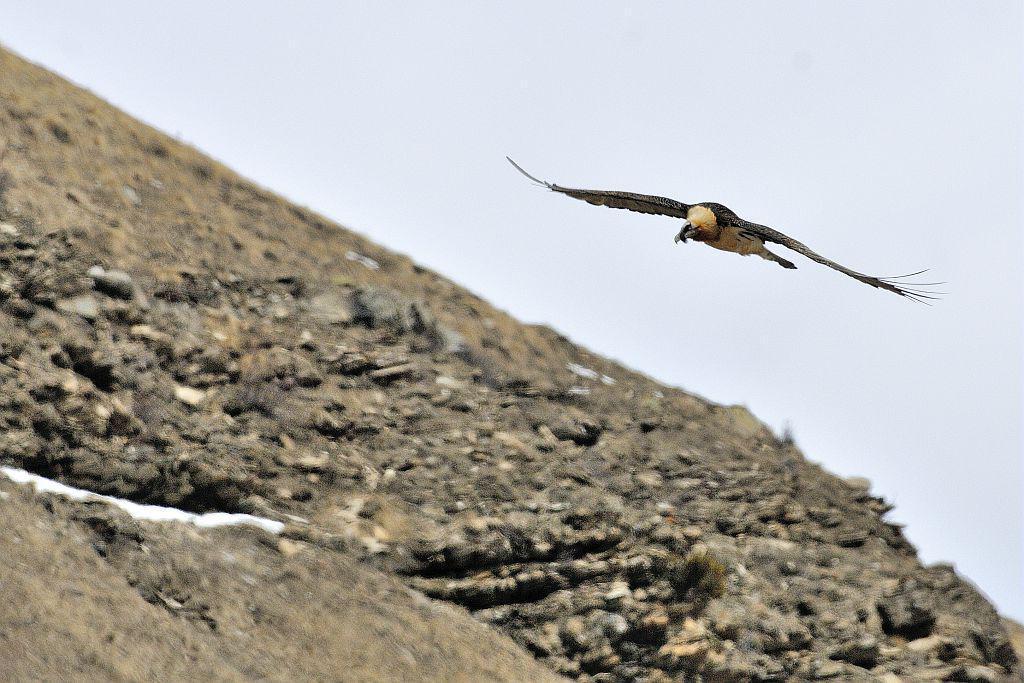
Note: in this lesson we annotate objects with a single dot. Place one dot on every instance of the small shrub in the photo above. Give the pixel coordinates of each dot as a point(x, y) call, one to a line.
point(787, 438)
point(699, 577)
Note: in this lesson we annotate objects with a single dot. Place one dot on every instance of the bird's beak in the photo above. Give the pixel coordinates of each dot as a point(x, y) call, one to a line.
point(684, 233)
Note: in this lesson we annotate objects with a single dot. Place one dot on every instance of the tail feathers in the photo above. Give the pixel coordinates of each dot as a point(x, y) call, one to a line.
point(765, 254)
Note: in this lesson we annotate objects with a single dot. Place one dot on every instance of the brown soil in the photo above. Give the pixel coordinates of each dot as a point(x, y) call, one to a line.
point(233, 352)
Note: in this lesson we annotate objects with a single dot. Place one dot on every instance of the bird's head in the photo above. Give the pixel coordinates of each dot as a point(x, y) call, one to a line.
point(685, 233)
point(699, 219)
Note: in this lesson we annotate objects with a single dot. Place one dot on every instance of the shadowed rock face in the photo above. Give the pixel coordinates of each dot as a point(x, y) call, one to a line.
point(172, 333)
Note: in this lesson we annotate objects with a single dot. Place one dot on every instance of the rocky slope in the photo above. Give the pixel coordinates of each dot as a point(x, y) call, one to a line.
point(171, 333)
point(89, 594)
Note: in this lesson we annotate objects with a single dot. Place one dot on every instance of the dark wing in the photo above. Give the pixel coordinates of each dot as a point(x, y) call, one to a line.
point(641, 203)
point(910, 290)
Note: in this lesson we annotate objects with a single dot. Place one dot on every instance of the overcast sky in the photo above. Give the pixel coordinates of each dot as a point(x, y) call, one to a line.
point(885, 135)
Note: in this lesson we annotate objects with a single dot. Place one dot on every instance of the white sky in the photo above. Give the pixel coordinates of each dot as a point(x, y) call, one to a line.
point(885, 135)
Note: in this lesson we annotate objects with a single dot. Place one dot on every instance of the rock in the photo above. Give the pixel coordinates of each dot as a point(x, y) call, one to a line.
point(84, 305)
point(330, 308)
point(761, 626)
point(618, 591)
point(121, 421)
point(289, 548)
point(942, 647)
point(727, 618)
point(442, 338)
point(907, 615)
point(101, 365)
point(652, 627)
point(447, 340)
point(346, 361)
point(824, 670)
point(381, 307)
point(328, 425)
point(189, 396)
point(613, 625)
point(253, 396)
point(115, 283)
point(972, 674)
point(689, 646)
point(364, 261)
point(737, 665)
point(995, 647)
point(582, 431)
point(306, 374)
point(862, 652)
point(449, 382)
point(394, 372)
point(651, 480)
point(852, 538)
point(148, 333)
point(313, 463)
point(131, 195)
point(574, 630)
point(512, 442)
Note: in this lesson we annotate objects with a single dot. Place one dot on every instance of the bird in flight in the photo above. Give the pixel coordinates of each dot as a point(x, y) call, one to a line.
point(718, 226)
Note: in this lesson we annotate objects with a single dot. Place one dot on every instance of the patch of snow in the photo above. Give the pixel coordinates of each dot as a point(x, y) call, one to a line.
point(658, 394)
point(582, 371)
point(364, 260)
point(154, 513)
point(587, 373)
point(579, 391)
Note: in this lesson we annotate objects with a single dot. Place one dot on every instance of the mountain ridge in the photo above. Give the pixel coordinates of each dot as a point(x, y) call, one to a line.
point(176, 334)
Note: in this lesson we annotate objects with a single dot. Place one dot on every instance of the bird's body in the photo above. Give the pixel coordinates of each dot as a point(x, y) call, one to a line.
point(706, 229)
point(720, 227)
point(730, 239)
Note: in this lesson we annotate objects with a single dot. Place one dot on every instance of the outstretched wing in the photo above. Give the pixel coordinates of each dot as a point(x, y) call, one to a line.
point(641, 203)
point(910, 290)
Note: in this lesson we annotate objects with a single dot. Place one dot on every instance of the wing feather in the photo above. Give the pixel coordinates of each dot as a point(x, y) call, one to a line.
point(631, 201)
point(909, 290)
